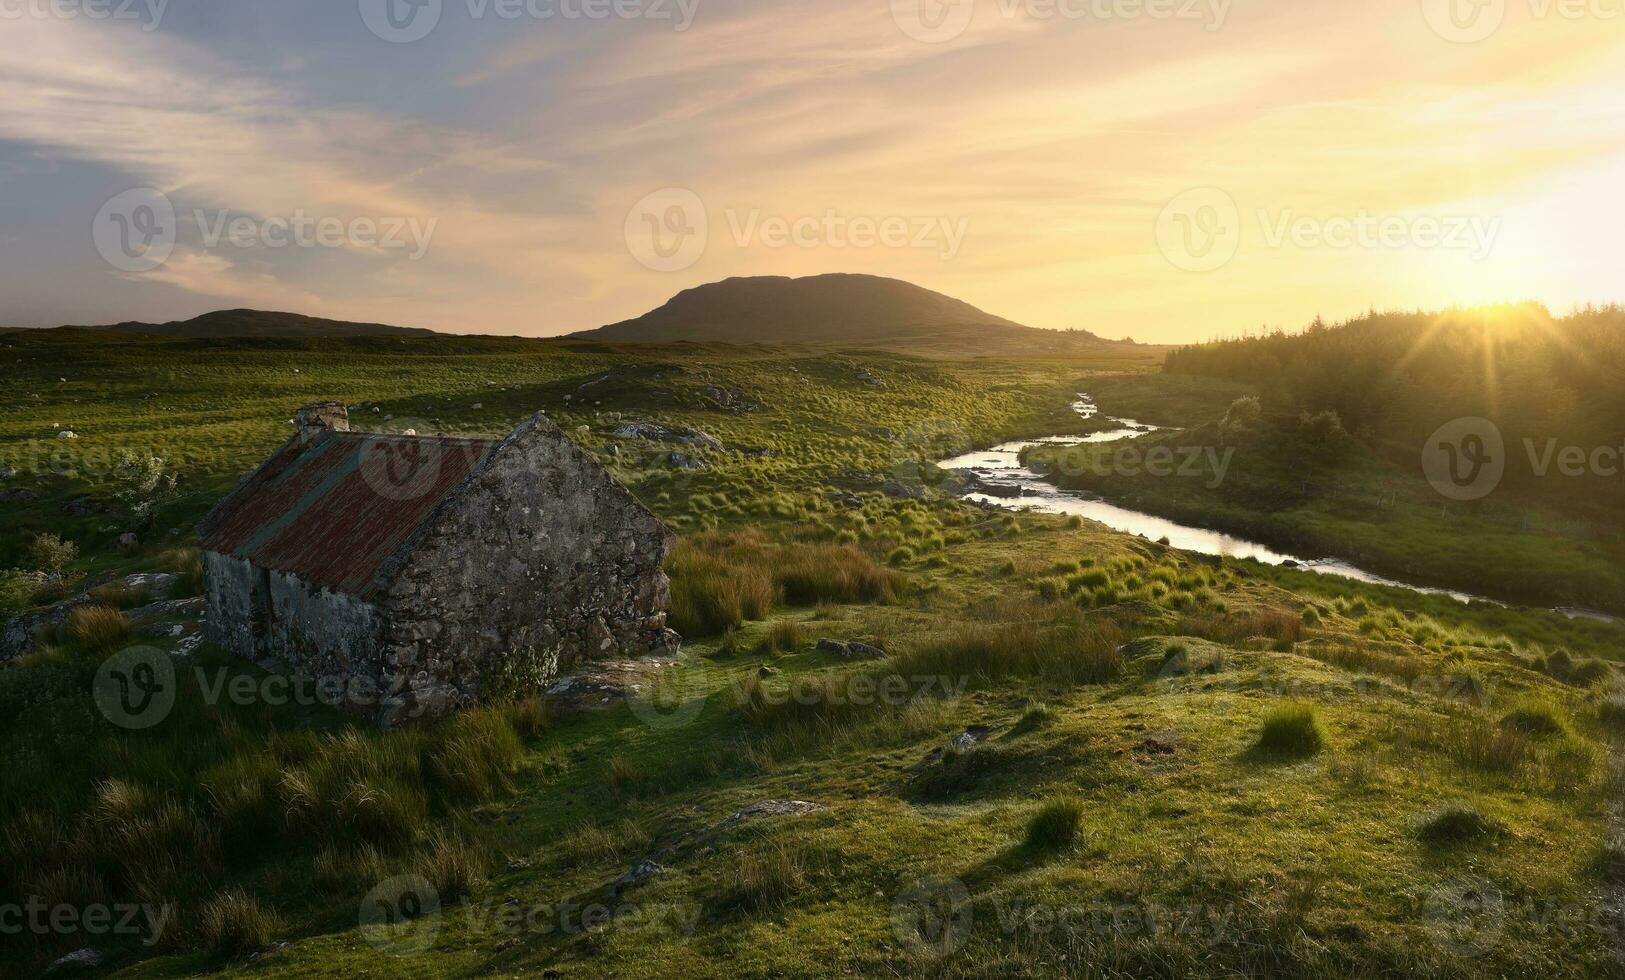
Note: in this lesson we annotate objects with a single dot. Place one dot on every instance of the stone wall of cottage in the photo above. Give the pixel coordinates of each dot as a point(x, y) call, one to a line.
point(544, 561)
point(289, 626)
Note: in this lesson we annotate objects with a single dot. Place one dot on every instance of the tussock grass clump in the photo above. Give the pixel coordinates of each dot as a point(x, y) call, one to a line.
point(454, 867)
point(1360, 656)
point(478, 756)
point(1065, 647)
point(810, 573)
point(1484, 745)
point(594, 842)
point(234, 923)
point(784, 637)
point(1611, 710)
point(1037, 716)
point(1283, 628)
point(722, 580)
point(529, 717)
point(1057, 826)
point(1292, 730)
point(1456, 823)
point(98, 629)
point(771, 874)
point(348, 870)
point(710, 594)
point(1535, 717)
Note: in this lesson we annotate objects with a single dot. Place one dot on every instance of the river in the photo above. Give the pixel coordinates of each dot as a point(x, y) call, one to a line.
point(1001, 467)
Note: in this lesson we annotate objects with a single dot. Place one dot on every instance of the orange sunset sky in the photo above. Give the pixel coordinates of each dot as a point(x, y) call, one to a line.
point(1170, 170)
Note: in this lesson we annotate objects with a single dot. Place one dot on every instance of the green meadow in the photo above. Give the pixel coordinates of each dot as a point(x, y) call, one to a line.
point(1060, 750)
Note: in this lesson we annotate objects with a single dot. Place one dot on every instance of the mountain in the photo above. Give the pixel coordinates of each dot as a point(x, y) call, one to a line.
point(260, 323)
point(837, 308)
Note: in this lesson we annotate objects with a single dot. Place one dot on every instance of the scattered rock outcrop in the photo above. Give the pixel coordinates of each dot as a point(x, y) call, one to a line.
point(654, 432)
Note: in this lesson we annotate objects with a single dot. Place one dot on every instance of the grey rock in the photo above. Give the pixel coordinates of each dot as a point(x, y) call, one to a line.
point(79, 959)
point(85, 506)
point(844, 498)
point(683, 461)
point(654, 432)
point(901, 491)
point(640, 873)
point(17, 495)
point(863, 651)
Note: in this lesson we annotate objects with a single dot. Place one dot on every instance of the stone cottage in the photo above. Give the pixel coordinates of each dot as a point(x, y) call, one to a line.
point(413, 575)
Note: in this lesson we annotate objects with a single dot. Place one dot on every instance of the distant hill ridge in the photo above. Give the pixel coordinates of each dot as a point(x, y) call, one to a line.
point(840, 307)
point(261, 323)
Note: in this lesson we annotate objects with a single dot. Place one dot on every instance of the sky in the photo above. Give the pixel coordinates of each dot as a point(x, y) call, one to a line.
point(1167, 170)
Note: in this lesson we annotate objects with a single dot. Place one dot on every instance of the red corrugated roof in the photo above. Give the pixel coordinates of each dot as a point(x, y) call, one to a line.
point(335, 511)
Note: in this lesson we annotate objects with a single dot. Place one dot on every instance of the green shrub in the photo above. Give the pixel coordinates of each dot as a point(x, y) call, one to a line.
point(51, 554)
point(1292, 730)
point(1056, 826)
point(17, 591)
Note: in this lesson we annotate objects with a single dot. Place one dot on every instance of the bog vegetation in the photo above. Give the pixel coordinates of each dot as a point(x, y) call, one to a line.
point(1035, 710)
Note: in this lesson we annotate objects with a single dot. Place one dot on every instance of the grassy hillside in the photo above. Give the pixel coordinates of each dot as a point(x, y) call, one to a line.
point(839, 308)
point(262, 323)
point(1078, 754)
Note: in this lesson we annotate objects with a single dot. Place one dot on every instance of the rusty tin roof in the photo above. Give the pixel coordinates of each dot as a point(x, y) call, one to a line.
point(335, 511)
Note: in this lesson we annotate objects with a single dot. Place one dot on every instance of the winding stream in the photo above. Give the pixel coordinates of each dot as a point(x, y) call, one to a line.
point(1001, 467)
